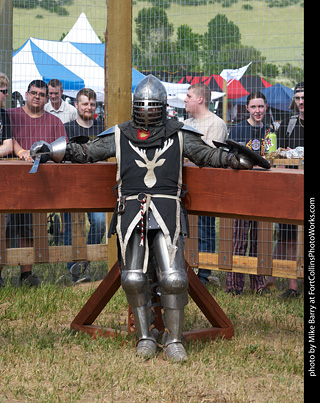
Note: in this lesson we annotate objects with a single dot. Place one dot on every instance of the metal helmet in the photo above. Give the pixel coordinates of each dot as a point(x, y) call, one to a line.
point(149, 103)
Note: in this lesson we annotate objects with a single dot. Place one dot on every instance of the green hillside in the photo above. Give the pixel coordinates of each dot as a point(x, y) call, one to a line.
point(277, 32)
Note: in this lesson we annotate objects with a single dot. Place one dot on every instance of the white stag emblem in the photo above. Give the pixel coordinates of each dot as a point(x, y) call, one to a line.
point(150, 178)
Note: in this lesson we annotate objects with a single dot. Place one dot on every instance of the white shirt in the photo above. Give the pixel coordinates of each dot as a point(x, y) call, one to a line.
point(211, 126)
point(66, 113)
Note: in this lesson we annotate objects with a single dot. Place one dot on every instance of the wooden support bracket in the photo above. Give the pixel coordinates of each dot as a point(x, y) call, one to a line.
point(222, 326)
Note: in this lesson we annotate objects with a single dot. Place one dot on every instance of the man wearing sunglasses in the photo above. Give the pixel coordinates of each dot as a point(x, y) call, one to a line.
point(31, 123)
point(6, 145)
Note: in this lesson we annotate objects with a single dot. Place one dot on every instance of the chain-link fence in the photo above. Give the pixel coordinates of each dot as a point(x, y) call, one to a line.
point(244, 62)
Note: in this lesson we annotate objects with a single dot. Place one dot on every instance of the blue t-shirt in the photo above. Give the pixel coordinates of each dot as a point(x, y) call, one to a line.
point(251, 136)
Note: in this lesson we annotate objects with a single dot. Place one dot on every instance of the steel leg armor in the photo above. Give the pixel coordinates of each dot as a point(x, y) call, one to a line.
point(174, 295)
point(173, 284)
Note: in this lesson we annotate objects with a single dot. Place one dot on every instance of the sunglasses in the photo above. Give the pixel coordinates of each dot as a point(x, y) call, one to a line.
point(5, 92)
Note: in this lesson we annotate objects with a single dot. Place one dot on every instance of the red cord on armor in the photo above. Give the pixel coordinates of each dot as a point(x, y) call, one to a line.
point(142, 224)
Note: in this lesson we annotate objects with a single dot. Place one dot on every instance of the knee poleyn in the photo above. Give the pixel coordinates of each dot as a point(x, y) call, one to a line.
point(135, 285)
point(174, 283)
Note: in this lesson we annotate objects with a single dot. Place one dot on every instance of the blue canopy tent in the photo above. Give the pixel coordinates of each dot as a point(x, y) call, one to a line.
point(49, 68)
point(278, 97)
point(95, 51)
point(76, 65)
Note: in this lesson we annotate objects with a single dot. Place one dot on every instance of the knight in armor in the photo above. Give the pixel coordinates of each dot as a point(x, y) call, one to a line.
point(149, 219)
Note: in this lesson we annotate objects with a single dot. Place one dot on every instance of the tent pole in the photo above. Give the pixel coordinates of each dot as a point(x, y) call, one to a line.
point(118, 75)
point(225, 102)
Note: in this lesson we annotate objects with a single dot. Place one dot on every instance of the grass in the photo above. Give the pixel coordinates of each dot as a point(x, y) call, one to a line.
point(42, 360)
point(276, 32)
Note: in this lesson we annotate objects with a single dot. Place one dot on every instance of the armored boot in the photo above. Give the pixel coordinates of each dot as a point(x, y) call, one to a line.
point(135, 283)
point(147, 345)
point(174, 349)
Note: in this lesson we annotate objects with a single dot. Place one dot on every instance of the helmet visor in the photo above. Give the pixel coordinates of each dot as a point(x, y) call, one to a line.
point(147, 113)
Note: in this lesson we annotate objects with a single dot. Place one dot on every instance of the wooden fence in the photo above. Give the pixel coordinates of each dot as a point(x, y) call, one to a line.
point(274, 196)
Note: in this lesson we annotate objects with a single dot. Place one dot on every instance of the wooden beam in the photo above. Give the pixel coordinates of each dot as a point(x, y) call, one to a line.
point(249, 265)
point(118, 74)
point(118, 71)
point(275, 195)
point(57, 187)
point(57, 254)
point(99, 299)
point(222, 326)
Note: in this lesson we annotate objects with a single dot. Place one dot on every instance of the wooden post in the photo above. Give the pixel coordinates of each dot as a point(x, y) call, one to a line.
point(79, 238)
point(118, 67)
point(3, 250)
point(118, 76)
point(225, 243)
point(6, 35)
point(40, 238)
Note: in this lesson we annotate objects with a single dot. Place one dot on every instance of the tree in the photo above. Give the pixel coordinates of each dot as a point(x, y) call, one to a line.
point(293, 73)
point(152, 27)
point(222, 36)
point(187, 49)
point(155, 49)
point(221, 32)
point(233, 56)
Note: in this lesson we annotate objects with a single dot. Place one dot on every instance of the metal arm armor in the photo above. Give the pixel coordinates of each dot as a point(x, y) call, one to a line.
point(200, 153)
point(101, 149)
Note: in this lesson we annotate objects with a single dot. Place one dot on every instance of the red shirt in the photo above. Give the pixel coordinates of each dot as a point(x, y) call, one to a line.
point(27, 130)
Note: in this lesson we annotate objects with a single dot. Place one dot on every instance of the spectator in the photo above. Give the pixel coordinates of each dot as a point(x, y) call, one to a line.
point(57, 106)
point(29, 123)
point(251, 132)
point(16, 99)
point(213, 128)
point(6, 144)
point(81, 130)
point(290, 134)
point(66, 113)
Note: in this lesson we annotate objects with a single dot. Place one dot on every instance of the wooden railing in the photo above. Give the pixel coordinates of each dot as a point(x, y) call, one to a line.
point(265, 196)
point(263, 263)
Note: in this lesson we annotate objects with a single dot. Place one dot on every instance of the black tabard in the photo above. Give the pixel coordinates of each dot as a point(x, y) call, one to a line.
point(149, 178)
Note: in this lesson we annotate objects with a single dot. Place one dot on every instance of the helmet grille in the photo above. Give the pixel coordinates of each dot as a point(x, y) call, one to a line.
point(148, 113)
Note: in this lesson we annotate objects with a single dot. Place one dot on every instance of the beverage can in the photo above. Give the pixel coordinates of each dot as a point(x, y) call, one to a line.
point(271, 142)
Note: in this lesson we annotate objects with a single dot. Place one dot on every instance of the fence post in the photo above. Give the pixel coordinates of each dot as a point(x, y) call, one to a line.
point(118, 76)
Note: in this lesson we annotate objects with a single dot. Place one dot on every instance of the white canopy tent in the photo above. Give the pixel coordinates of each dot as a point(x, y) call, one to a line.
point(76, 65)
point(77, 61)
point(82, 32)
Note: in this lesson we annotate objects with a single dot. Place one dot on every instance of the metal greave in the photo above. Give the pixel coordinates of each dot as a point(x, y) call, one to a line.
point(173, 283)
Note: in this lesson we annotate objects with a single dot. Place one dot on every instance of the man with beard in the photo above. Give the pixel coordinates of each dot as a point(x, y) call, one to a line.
point(84, 127)
point(80, 131)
